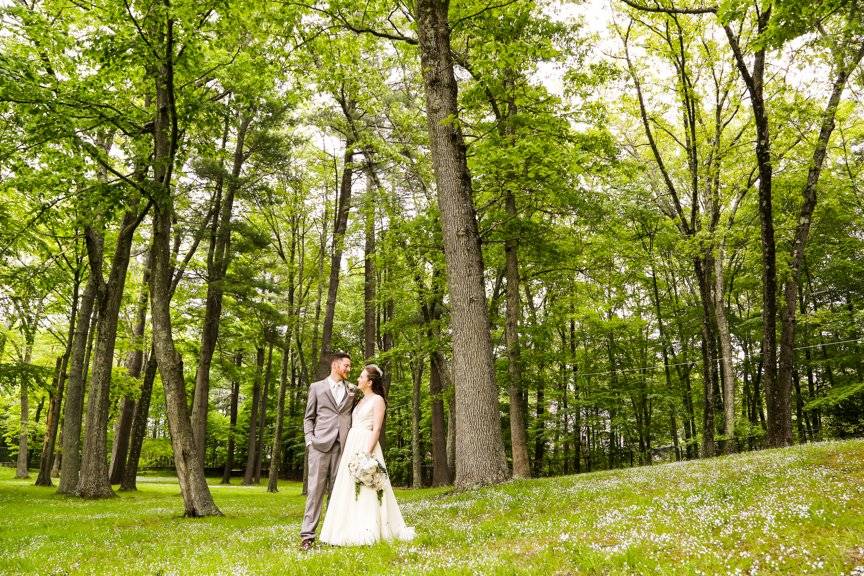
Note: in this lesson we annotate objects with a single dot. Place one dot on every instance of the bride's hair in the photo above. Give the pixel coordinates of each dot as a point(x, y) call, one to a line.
point(376, 378)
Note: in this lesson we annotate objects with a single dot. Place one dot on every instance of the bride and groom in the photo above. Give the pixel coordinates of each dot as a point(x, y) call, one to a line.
point(341, 436)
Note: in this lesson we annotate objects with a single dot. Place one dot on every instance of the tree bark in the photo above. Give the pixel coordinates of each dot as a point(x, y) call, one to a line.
point(232, 428)
point(518, 435)
point(480, 457)
point(93, 481)
point(416, 451)
point(262, 417)
point(139, 425)
point(217, 267)
point(252, 440)
point(190, 468)
point(72, 412)
point(53, 424)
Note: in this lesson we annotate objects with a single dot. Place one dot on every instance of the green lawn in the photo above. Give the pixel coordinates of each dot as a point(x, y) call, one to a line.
point(793, 511)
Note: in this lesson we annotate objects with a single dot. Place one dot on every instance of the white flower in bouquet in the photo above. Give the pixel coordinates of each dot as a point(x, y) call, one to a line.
point(367, 470)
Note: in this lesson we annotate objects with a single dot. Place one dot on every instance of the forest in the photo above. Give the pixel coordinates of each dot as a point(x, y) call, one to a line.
point(575, 236)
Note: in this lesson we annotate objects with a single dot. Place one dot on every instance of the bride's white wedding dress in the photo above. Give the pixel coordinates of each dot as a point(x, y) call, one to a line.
point(356, 520)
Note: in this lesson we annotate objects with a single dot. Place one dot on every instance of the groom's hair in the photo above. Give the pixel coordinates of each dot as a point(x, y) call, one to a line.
point(339, 356)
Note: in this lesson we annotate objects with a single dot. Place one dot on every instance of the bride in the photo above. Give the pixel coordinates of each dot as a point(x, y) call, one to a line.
point(361, 516)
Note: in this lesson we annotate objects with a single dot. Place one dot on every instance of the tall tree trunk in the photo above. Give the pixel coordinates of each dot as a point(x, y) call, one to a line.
point(272, 480)
point(134, 365)
point(709, 357)
point(416, 452)
point(93, 481)
point(47, 458)
point(139, 425)
point(577, 408)
point(23, 452)
point(190, 468)
point(781, 433)
point(53, 424)
point(217, 267)
point(72, 412)
point(340, 225)
point(252, 441)
point(440, 469)
point(480, 456)
point(725, 340)
point(262, 416)
point(232, 426)
point(779, 427)
point(370, 332)
point(518, 435)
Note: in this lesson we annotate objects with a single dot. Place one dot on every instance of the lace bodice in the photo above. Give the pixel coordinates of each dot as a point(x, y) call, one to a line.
point(363, 414)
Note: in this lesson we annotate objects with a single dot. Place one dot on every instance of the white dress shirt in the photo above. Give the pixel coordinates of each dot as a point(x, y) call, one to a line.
point(337, 388)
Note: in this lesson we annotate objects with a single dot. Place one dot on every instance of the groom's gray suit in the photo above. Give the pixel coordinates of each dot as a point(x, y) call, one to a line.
point(325, 425)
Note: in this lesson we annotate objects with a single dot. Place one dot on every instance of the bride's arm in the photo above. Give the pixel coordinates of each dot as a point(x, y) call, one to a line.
point(378, 409)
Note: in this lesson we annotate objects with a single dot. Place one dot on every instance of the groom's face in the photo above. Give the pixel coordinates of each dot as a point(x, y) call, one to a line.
point(343, 367)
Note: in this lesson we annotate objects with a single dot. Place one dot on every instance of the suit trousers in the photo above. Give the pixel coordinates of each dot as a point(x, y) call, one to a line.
point(322, 475)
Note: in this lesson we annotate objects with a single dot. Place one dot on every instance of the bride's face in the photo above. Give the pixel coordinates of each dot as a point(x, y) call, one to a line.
point(363, 382)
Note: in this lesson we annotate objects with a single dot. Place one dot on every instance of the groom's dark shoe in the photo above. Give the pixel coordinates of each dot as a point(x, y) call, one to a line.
point(307, 543)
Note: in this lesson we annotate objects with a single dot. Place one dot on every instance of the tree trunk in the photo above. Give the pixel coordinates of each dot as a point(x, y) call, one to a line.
point(370, 332)
point(781, 433)
point(48, 448)
point(709, 356)
point(23, 452)
point(251, 446)
point(416, 452)
point(272, 481)
point(190, 468)
point(725, 340)
point(262, 417)
point(217, 267)
point(139, 425)
point(480, 457)
point(340, 225)
point(72, 412)
point(93, 481)
point(232, 428)
point(518, 435)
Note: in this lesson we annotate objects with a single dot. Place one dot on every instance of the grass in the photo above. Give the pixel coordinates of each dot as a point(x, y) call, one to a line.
point(793, 511)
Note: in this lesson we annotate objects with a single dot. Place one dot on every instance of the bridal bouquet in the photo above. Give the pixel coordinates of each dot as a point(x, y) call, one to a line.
point(368, 471)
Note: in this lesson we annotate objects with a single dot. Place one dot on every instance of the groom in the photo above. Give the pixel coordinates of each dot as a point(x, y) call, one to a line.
point(326, 424)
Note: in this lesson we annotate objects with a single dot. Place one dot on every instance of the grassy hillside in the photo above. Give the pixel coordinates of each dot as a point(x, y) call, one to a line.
point(793, 511)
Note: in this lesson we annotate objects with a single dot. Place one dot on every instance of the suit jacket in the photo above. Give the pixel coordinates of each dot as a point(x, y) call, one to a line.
point(325, 421)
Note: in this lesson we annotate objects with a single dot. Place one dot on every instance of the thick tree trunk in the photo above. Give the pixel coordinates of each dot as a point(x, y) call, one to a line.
point(252, 440)
point(217, 267)
point(72, 412)
point(190, 468)
point(232, 426)
point(480, 457)
point(93, 481)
